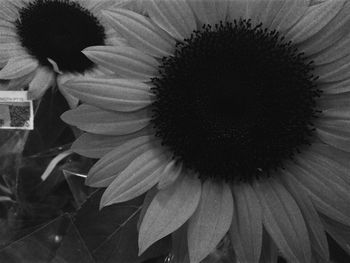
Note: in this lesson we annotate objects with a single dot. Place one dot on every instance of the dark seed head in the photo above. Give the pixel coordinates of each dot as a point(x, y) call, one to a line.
point(59, 30)
point(235, 101)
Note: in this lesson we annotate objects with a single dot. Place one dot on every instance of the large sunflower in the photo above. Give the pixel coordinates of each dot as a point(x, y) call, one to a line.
point(234, 113)
point(42, 40)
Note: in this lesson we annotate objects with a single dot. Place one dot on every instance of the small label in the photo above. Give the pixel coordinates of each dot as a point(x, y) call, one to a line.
point(16, 111)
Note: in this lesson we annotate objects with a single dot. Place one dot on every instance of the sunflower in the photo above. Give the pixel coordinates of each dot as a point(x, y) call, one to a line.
point(233, 117)
point(41, 40)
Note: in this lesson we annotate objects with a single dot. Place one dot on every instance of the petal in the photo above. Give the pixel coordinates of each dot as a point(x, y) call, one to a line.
point(43, 79)
point(171, 172)
point(128, 62)
point(8, 10)
point(110, 93)
point(96, 146)
point(18, 67)
point(336, 29)
point(21, 82)
point(339, 101)
point(140, 32)
point(146, 203)
point(335, 87)
point(316, 17)
point(317, 233)
point(71, 100)
point(11, 50)
point(326, 173)
point(140, 176)
point(336, 159)
point(335, 71)
point(174, 17)
point(7, 32)
point(323, 192)
point(238, 9)
point(335, 133)
point(339, 232)
point(269, 11)
point(246, 229)
point(335, 52)
point(95, 120)
point(169, 210)
point(208, 11)
point(211, 221)
point(289, 14)
point(109, 167)
point(283, 220)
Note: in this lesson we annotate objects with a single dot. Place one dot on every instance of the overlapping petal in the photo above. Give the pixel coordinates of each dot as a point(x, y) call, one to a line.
point(169, 210)
point(317, 233)
point(110, 93)
point(140, 32)
point(95, 120)
point(140, 176)
point(329, 37)
point(315, 18)
point(246, 229)
point(329, 195)
point(211, 221)
point(174, 17)
point(18, 67)
point(109, 167)
point(128, 62)
point(283, 220)
point(97, 146)
point(210, 12)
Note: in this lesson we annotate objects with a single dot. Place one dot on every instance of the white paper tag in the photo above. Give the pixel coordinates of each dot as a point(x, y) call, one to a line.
point(16, 111)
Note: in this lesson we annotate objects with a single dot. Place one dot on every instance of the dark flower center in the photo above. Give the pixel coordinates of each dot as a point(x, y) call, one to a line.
point(235, 101)
point(59, 30)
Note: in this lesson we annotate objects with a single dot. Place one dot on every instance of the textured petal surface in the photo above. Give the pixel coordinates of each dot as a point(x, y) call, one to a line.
point(7, 32)
point(314, 20)
point(211, 221)
point(128, 62)
point(339, 232)
point(336, 87)
point(95, 120)
point(317, 233)
point(43, 79)
point(18, 67)
point(268, 11)
point(96, 146)
point(289, 14)
point(283, 220)
point(140, 32)
point(246, 229)
point(110, 93)
point(141, 174)
point(336, 159)
point(169, 210)
point(338, 70)
point(175, 17)
point(328, 194)
point(209, 12)
point(336, 29)
point(337, 51)
point(171, 172)
point(108, 167)
point(335, 133)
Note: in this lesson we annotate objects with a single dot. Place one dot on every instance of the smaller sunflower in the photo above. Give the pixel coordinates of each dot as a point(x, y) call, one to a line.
point(42, 40)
